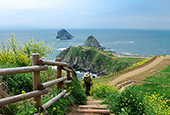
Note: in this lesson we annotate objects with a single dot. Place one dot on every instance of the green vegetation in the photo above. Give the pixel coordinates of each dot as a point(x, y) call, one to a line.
point(19, 82)
point(17, 54)
point(132, 59)
point(150, 98)
point(78, 92)
point(103, 80)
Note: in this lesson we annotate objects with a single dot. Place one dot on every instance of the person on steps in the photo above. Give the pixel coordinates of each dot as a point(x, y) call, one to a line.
point(87, 83)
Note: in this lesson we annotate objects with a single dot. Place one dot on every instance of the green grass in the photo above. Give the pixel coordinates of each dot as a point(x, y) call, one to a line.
point(135, 60)
point(103, 80)
point(159, 79)
point(166, 69)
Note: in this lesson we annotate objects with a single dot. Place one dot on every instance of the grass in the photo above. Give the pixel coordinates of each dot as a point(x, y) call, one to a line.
point(103, 80)
point(135, 60)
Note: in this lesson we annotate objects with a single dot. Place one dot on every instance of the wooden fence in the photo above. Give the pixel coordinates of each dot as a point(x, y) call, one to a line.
point(40, 88)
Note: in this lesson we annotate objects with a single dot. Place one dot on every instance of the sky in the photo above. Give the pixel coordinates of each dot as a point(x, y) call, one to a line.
point(85, 14)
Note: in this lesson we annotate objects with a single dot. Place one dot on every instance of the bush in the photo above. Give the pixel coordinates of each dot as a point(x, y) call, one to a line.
point(102, 91)
point(77, 91)
point(19, 82)
point(9, 59)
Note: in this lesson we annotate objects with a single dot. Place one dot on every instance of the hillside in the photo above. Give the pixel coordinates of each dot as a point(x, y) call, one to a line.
point(88, 59)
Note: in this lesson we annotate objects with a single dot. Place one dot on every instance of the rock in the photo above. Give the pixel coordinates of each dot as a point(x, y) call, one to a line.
point(63, 35)
point(92, 42)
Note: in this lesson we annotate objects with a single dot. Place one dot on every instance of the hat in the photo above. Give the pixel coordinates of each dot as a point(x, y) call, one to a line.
point(86, 75)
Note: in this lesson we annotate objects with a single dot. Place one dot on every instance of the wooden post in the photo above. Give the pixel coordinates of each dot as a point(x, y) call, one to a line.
point(68, 75)
point(36, 80)
point(59, 73)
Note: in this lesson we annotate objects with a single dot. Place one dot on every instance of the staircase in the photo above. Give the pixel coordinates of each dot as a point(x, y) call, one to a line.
point(93, 107)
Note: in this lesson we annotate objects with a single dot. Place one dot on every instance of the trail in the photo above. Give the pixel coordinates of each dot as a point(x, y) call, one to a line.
point(157, 65)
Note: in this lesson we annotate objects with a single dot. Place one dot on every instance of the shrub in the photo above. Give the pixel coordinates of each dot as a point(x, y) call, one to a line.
point(129, 101)
point(9, 59)
point(101, 90)
point(78, 92)
point(28, 48)
point(19, 82)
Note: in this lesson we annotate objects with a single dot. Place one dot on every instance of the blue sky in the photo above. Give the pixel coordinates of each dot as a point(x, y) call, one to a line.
point(52, 14)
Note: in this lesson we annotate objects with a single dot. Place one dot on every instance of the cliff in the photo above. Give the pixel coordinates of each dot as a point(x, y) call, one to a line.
point(88, 59)
point(63, 35)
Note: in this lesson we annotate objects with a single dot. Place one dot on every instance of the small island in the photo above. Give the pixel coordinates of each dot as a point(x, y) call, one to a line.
point(64, 35)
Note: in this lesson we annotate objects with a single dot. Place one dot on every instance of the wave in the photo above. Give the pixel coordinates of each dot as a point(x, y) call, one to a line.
point(61, 49)
point(124, 42)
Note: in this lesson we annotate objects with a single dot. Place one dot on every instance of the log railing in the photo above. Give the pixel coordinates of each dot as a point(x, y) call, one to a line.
point(40, 88)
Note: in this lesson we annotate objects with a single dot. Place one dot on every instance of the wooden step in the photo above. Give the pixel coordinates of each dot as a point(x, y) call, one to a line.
point(94, 102)
point(93, 106)
point(94, 111)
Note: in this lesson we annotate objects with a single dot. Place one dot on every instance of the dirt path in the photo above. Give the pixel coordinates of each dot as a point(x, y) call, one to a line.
point(157, 65)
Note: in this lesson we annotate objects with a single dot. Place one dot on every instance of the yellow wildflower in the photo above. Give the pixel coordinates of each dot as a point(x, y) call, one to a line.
point(23, 92)
point(18, 107)
point(54, 108)
point(34, 102)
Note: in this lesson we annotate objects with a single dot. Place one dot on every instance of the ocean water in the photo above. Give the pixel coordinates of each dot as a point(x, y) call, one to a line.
point(141, 42)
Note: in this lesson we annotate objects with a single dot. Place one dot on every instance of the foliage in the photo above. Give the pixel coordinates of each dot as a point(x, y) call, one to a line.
point(133, 100)
point(103, 80)
point(49, 74)
point(19, 82)
point(78, 92)
point(9, 59)
point(128, 101)
point(61, 106)
point(156, 104)
point(26, 108)
point(27, 48)
point(102, 91)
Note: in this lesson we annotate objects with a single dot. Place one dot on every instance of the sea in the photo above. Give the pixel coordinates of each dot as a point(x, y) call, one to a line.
point(133, 41)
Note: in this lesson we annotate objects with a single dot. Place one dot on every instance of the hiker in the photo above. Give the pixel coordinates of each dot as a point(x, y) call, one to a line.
point(87, 82)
